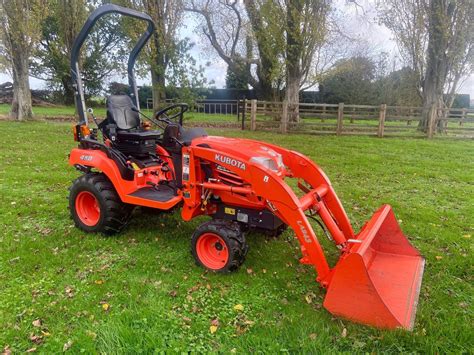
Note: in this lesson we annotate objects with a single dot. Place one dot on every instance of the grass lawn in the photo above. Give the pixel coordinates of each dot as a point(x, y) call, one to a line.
point(141, 291)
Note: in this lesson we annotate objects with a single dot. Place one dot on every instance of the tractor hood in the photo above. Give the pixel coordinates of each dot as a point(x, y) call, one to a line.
point(240, 152)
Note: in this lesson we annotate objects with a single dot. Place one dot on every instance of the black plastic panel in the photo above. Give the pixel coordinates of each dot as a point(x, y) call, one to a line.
point(162, 194)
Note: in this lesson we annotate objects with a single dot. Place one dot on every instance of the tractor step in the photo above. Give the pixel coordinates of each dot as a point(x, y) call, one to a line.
point(163, 193)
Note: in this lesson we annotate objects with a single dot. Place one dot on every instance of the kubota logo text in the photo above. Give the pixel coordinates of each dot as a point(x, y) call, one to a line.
point(230, 161)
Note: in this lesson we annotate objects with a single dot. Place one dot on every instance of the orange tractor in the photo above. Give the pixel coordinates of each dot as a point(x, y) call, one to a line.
point(241, 185)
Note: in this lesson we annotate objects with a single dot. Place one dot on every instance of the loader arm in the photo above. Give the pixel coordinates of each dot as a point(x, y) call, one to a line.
point(378, 276)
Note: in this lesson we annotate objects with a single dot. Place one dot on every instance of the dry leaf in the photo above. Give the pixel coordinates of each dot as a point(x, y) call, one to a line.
point(99, 282)
point(467, 236)
point(239, 307)
point(46, 334)
point(312, 336)
point(208, 286)
point(213, 329)
point(67, 345)
point(264, 271)
point(36, 323)
point(344, 333)
point(308, 299)
point(215, 322)
point(173, 293)
point(438, 257)
point(37, 339)
point(31, 350)
point(6, 350)
point(69, 292)
point(249, 271)
point(105, 306)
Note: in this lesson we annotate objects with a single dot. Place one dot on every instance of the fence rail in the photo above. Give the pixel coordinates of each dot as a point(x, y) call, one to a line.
point(342, 119)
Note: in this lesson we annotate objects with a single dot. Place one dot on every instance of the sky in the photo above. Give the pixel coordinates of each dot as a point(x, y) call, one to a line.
point(359, 22)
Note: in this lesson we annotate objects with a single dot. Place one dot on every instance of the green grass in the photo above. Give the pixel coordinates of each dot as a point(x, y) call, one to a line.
point(160, 300)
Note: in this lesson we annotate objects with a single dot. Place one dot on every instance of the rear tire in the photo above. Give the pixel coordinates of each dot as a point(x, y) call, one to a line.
point(219, 246)
point(95, 205)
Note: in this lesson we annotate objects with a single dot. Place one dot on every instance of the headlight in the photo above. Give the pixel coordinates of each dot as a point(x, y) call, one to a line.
point(265, 162)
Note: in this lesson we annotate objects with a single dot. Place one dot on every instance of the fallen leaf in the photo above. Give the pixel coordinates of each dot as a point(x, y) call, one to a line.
point(438, 257)
point(213, 329)
point(37, 339)
point(239, 307)
point(173, 293)
point(67, 345)
point(463, 305)
point(308, 299)
point(467, 236)
point(344, 333)
point(187, 320)
point(215, 322)
point(36, 323)
point(6, 350)
point(208, 286)
point(69, 292)
point(99, 282)
point(105, 306)
point(249, 271)
point(31, 350)
point(46, 334)
point(312, 336)
point(264, 271)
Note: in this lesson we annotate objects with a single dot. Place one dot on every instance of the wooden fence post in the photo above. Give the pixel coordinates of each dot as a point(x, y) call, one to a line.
point(284, 117)
point(463, 116)
point(244, 110)
point(340, 117)
point(383, 112)
point(253, 115)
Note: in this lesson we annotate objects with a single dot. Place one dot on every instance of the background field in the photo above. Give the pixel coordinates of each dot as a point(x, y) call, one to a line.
point(141, 290)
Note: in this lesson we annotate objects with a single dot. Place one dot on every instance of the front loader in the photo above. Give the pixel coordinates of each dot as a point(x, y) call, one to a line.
point(241, 185)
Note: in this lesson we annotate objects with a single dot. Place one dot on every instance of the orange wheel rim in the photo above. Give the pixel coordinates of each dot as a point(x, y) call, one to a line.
point(87, 208)
point(212, 251)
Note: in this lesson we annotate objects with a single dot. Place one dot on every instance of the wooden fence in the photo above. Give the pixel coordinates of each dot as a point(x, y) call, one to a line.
point(341, 119)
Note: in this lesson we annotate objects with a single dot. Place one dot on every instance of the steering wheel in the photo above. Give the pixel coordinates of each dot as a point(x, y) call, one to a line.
point(168, 119)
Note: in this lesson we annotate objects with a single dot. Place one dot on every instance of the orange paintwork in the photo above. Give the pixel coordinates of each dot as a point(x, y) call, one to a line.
point(99, 160)
point(378, 276)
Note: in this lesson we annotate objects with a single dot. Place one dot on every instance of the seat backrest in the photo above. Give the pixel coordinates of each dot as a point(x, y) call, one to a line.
point(119, 111)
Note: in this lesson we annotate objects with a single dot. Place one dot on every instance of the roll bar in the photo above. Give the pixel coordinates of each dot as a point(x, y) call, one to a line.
point(75, 53)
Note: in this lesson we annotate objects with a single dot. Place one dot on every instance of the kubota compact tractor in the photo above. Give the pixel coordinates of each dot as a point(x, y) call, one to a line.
point(240, 184)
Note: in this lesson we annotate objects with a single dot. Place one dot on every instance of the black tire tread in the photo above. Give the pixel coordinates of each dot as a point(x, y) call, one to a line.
point(116, 213)
point(232, 234)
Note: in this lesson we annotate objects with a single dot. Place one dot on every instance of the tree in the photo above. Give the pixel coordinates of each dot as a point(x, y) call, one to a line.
point(167, 16)
point(350, 81)
point(103, 55)
point(18, 36)
point(306, 30)
point(232, 81)
point(436, 38)
point(242, 39)
point(285, 35)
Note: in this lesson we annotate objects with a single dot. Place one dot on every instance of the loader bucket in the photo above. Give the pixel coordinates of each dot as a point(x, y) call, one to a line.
point(377, 282)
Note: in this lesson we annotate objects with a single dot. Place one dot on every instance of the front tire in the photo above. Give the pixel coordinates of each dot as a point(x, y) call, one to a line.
point(95, 205)
point(219, 246)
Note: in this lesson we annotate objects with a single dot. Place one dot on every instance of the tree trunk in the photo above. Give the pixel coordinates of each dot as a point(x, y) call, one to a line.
point(293, 95)
point(158, 70)
point(436, 66)
point(21, 105)
point(158, 90)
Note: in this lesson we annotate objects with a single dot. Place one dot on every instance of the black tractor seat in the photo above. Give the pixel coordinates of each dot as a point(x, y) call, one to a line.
point(123, 127)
